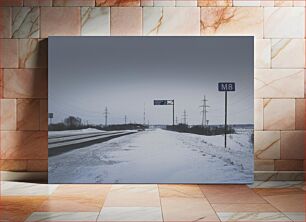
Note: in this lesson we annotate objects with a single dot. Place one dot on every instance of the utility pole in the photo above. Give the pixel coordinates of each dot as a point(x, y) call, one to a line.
point(176, 120)
point(204, 112)
point(125, 119)
point(144, 114)
point(225, 118)
point(106, 115)
point(185, 117)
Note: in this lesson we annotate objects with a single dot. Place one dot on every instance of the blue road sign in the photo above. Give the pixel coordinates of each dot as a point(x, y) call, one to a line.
point(226, 86)
point(163, 102)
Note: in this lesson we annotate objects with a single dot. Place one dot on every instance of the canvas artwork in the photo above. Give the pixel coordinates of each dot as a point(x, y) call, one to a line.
point(151, 109)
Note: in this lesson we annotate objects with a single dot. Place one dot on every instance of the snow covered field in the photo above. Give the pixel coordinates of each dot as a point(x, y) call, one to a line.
point(158, 156)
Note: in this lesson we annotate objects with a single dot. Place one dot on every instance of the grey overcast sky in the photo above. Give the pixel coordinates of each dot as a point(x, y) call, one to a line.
point(86, 74)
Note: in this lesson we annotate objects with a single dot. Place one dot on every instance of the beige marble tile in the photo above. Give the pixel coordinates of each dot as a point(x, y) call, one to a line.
point(230, 194)
point(295, 216)
point(283, 3)
point(300, 114)
point(123, 3)
point(13, 165)
point(284, 50)
point(25, 22)
point(267, 145)
point(37, 165)
point(253, 216)
point(71, 204)
point(292, 144)
point(305, 83)
point(126, 21)
point(51, 17)
point(258, 116)
point(25, 83)
point(163, 3)
point(287, 201)
point(246, 3)
point(33, 53)
point(95, 21)
point(37, 2)
point(5, 22)
point(8, 53)
point(279, 114)
point(26, 189)
point(8, 114)
point(146, 3)
point(130, 214)
point(267, 3)
point(289, 165)
point(284, 22)
point(187, 209)
point(212, 3)
point(186, 3)
point(43, 114)
point(299, 3)
point(263, 165)
point(28, 114)
point(91, 191)
point(24, 145)
point(133, 196)
point(263, 53)
point(263, 207)
point(232, 21)
point(273, 83)
point(171, 21)
point(183, 191)
point(1, 83)
point(18, 208)
point(73, 2)
point(63, 216)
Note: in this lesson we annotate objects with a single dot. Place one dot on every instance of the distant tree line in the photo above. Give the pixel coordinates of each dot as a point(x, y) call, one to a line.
point(75, 123)
point(201, 130)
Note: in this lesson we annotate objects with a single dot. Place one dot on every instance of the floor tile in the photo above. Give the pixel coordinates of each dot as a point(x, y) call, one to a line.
point(277, 184)
point(9, 188)
point(264, 207)
point(297, 216)
point(266, 192)
point(230, 194)
point(96, 191)
point(288, 202)
point(63, 216)
point(71, 204)
point(18, 208)
point(274, 216)
point(187, 209)
point(190, 191)
point(133, 196)
point(130, 214)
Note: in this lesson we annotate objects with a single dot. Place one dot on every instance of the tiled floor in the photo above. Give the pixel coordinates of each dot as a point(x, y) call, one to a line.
point(271, 201)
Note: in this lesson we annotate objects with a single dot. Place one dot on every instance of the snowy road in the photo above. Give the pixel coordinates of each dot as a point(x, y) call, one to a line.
point(158, 156)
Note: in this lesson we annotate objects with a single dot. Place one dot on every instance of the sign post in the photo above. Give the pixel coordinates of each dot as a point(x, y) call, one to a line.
point(50, 116)
point(226, 87)
point(166, 102)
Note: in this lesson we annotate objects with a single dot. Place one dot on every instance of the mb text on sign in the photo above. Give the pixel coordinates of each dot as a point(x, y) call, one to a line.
point(226, 86)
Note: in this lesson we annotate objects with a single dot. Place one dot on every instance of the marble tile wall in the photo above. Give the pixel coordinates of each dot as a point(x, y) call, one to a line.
point(278, 27)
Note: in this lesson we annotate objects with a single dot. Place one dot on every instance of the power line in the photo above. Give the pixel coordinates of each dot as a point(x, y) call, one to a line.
point(204, 111)
point(144, 114)
point(185, 117)
point(106, 115)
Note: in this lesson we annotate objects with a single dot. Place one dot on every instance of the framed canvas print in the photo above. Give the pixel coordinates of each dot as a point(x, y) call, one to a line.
point(151, 109)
